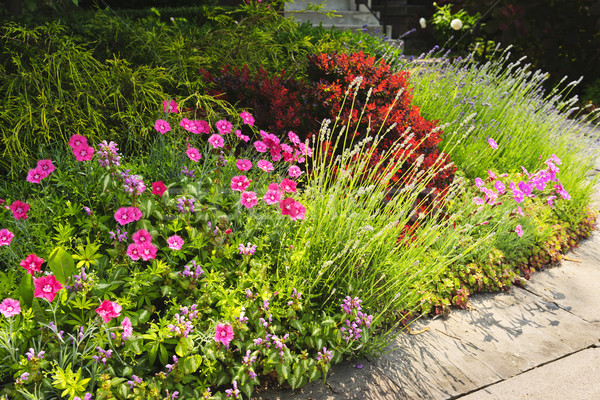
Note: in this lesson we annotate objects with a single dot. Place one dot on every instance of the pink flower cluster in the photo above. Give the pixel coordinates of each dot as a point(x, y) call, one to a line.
point(81, 149)
point(142, 246)
point(195, 126)
point(125, 215)
point(109, 310)
point(42, 170)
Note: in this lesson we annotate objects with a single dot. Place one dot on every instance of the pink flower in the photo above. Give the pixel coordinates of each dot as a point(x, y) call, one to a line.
point(6, 237)
point(500, 187)
point(46, 287)
point(223, 126)
point(158, 188)
point(188, 125)
point(298, 212)
point(142, 236)
point(224, 334)
point(294, 171)
point(519, 230)
point(125, 215)
point(286, 205)
point(127, 329)
point(518, 195)
point(239, 134)
point(162, 126)
point(478, 200)
point(247, 118)
point(491, 174)
point(556, 159)
point(19, 209)
point(137, 214)
point(243, 165)
point(216, 141)
point(550, 199)
point(83, 152)
point(261, 147)
point(46, 166)
point(10, 308)
point(493, 143)
point(560, 190)
point(478, 182)
point(265, 165)
point(193, 154)
point(519, 211)
point(133, 251)
point(35, 175)
point(240, 183)
point(272, 196)
point(170, 106)
point(249, 199)
point(77, 140)
point(305, 150)
point(147, 251)
point(32, 264)
point(294, 138)
point(175, 242)
point(288, 186)
point(109, 310)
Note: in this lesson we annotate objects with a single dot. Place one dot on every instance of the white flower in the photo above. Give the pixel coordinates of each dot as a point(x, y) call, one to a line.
point(423, 23)
point(456, 24)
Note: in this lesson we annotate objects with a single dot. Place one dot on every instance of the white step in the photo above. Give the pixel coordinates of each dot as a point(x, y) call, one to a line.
point(337, 5)
point(343, 18)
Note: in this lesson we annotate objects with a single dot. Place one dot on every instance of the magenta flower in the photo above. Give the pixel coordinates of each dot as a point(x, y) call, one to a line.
point(288, 186)
point(147, 251)
point(478, 200)
point(519, 230)
point(162, 126)
point(273, 196)
point(239, 134)
point(493, 143)
point(265, 165)
point(142, 236)
point(127, 328)
point(247, 118)
point(240, 183)
point(294, 171)
point(6, 237)
point(46, 287)
point(260, 146)
point(193, 154)
point(297, 212)
point(77, 140)
point(109, 310)
point(491, 175)
point(158, 188)
point(216, 141)
point(286, 205)
point(247, 250)
point(19, 209)
point(224, 334)
point(518, 195)
point(10, 308)
point(125, 215)
point(243, 165)
point(560, 190)
point(500, 187)
point(35, 175)
point(201, 126)
point(46, 166)
point(294, 138)
point(223, 126)
point(550, 201)
point(519, 211)
point(249, 199)
point(175, 242)
point(479, 182)
point(32, 264)
point(133, 251)
point(170, 106)
point(83, 152)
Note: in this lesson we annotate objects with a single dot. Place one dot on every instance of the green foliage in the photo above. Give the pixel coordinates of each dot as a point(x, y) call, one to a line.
point(448, 36)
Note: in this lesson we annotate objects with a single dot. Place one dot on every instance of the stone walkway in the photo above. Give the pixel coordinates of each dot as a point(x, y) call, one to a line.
point(541, 341)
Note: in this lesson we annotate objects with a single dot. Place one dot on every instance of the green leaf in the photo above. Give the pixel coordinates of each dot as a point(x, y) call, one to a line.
point(143, 316)
point(283, 370)
point(298, 326)
point(62, 264)
point(184, 346)
point(163, 355)
point(223, 379)
point(314, 374)
point(247, 388)
point(191, 364)
point(26, 289)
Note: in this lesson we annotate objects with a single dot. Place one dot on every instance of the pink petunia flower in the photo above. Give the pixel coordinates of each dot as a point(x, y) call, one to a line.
point(272, 196)
point(32, 264)
point(6, 237)
point(147, 251)
point(240, 183)
point(294, 171)
point(193, 154)
point(158, 188)
point(265, 165)
point(127, 328)
point(19, 209)
point(35, 175)
point(46, 287)
point(247, 118)
point(162, 126)
point(224, 334)
point(223, 126)
point(260, 146)
point(288, 186)
point(249, 199)
point(83, 152)
point(170, 106)
point(243, 137)
point(175, 242)
point(493, 143)
point(216, 141)
point(243, 165)
point(142, 236)
point(10, 307)
point(77, 140)
point(109, 310)
point(133, 251)
point(519, 230)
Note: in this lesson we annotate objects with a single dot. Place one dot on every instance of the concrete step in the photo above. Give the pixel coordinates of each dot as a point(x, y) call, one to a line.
point(373, 30)
point(344, 18)
point(338, 5)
